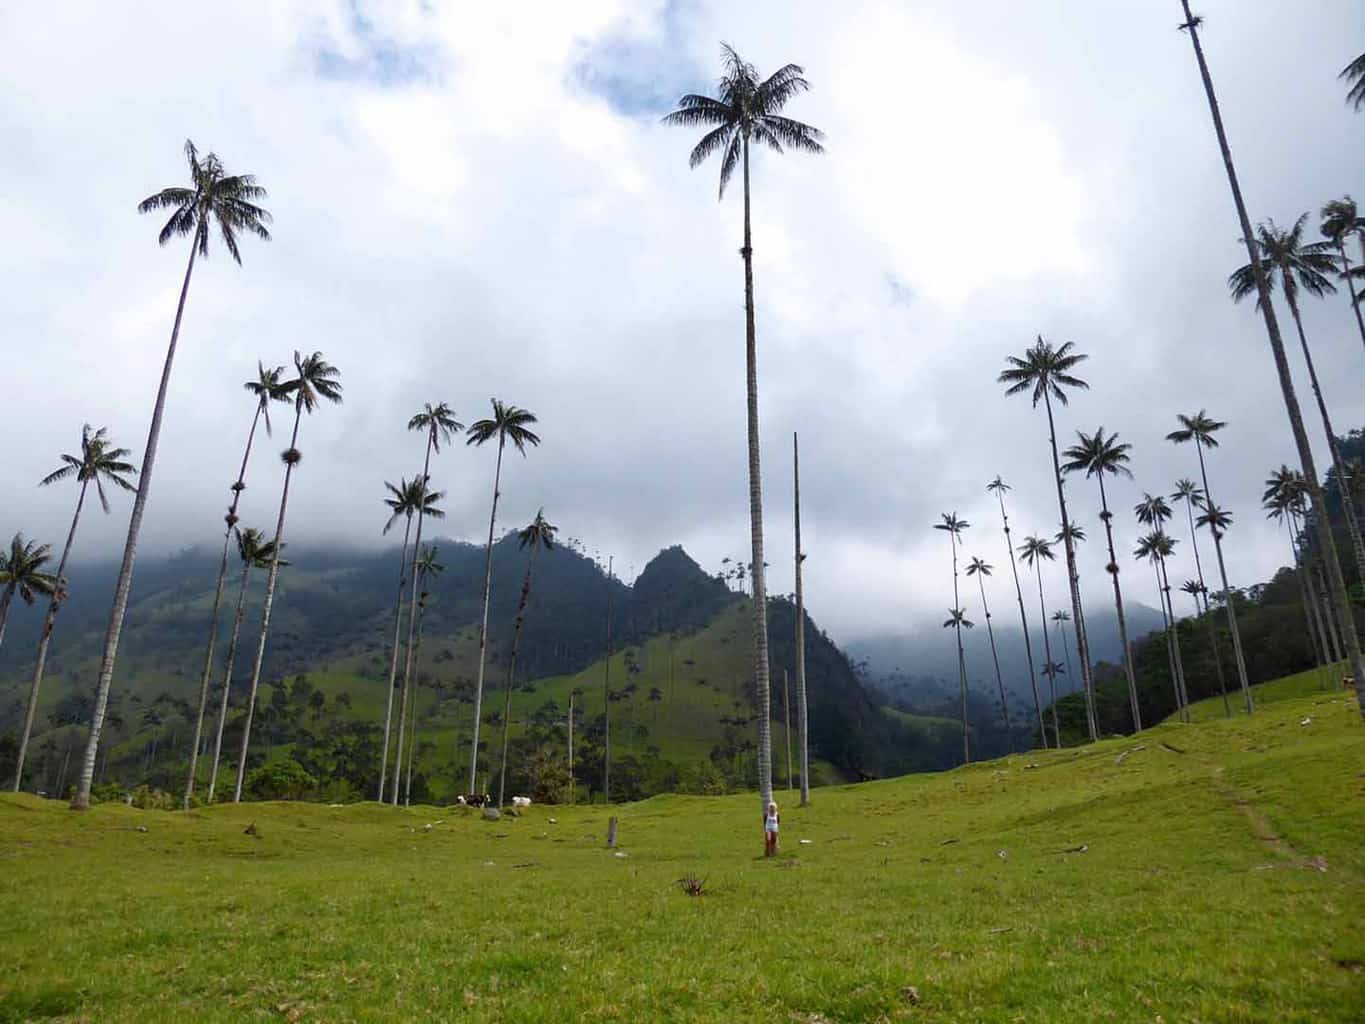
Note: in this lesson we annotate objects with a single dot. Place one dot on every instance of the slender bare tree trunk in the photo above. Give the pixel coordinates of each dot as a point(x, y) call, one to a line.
point(227, 681)
point(1023, 621)
point(1339, 596)
point(483, 622)
point(999, 679)
point(1350, 286)
point(1310, 609)
point(787, 723)
point(511, 672)
point(1170, 648)
point(393, 657)
point(4, 611)
point(606, 700)
point(231, 520)
point(1237, 657)
point(758, 575)
point(1213, 630)
point(571, 781)
point(125, 575)
point(412, 715)
point(269, 602)
point(45, 639)
point(412, 624)
point(961, 655)
point(1328, 612)
point(1175, 642)
point(802, 708)
point(1047, 653)
point(1113, 568)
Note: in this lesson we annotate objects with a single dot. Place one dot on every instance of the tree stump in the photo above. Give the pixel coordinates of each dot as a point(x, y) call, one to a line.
point(611, 833)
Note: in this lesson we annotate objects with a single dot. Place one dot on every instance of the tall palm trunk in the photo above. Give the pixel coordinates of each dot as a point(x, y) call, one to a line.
point(1047, 653)
point(1023, 621)
point(1348, 510)
point(572, 785)
point(1061, 639)
point(786, 722)
point(4, 611)
point(412, 623)
point(511, 672)
point(1082, 646)
point(237, 489)
point(606, 700)
point(393, 656)
point(1350, 287)
point(45, 638)
point(1304, 563)
point(758, 576)
point(1340, 598)
point(1328, 612)
point(1310, 610)
point(270, 581)
point(995, 657)
point(412, 715)
point(1113, 568)
point(1237, 656)
point(1212, 629)
point(1175, 642)
point(227, 681)
point(483, 622)
point(802, 710)
point(961, 656)
point(125, 574)
point(1170, 648)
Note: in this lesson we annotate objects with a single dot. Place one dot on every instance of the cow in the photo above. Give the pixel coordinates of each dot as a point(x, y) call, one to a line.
point(521, 801)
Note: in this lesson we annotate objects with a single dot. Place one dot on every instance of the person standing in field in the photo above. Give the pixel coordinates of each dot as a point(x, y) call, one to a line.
point(771, 819)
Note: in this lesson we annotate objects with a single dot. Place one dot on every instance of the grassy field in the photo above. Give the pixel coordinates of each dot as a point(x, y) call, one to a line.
point(1211, 872)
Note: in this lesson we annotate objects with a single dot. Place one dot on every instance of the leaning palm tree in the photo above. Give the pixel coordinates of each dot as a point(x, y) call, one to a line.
point(315, 380)
point(255, 552)
point(428, 568)
point(1200, 429)
point(508, 423)
point(1000, 487)
point(22, 573)
point(1150, 547)
point(97, 463)
point(1336, 580)
point(539, 533)
point(427, 501)
point(1341, 220)
point(438, 423)
point(1354, 73)
point(266, 388)
point(953, 526)
point(1285, 258)
point(1153, 512)
point(1096, 456)
point(1035, 551)
point(749, 109)
point(1046, 372)
point(213, 198)
point(981, 569)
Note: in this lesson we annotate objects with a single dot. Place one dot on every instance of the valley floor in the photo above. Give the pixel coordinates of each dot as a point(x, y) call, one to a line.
point(1211, 872)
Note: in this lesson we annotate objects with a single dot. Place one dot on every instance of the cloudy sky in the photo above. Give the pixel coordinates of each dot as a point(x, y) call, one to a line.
point(477, 200)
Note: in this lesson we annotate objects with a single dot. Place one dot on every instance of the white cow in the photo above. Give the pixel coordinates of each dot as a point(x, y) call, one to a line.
point(521, 801)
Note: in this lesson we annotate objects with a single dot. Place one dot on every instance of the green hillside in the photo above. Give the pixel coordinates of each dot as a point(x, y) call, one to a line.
point(1209, 872)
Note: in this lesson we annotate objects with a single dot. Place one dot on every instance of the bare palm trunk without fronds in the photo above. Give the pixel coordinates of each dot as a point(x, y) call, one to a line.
point(961, 655)
point(1047, 653)
point(606, 700)
point(45, 639)
point(1340, 598)
point(1212, 628)
point(270, 582)
point(1170, 648)
point(758, 575)
point(1175, 643)
point(412, 714)
point(1328, 612)
point(4, 612)
point(1113, 569)
point(1310, 609)
point(227, 682)
point(237, 489)
point(125, 575)
point(1023, 621)
point(1237, 656)
point(801, 706)
point(393, 658)
point(511, 673)
point(1348, 510)
point(1350, 286)
point(999, 679)
point(483, 622)
point(1303, 561)
point(412, 625)
point(1082, 645)
point(1061, 639)
point(787, 724)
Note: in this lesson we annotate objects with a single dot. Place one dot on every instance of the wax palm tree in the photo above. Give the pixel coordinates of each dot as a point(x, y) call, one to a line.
point(428, 568)
point(438, 423)
point(606, 690)
point(1283, 502)
point(1077, 537)
point(1098, 456)
point(315, 381)
point(1295, 264)
point(98, 462)
point(508, 423)
point(255, 551)
point(747, 108)
point(1151, 546)
point(428, 501)
point(1053, 669)
point(1341, 220)
point(1153, 512)
point(1354, 73)
point(801, 708)
point(22, 573)
point(1035, 551)
point(1337, 581)
point(999, 487)
point(267, 387)
point(1188, 493)
point(981, 569)
point(539, 533)
point(1060, 618)
point(1045, 371)
point(953, 526)
point(214, 197)
point(1200, 429)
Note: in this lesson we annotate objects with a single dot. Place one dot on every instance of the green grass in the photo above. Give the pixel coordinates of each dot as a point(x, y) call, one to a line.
point(1200, 896)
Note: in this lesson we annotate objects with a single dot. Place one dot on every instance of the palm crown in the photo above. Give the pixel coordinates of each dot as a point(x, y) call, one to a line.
point(1287, 258)
point(214, 197)
point(976, 565)
point(1097, 455)
point(540, 532)
point(508, 423)
point(999, 486)
point(21, 570)
point(1354, 73)
point(1076, 533)
point(438, 421)
point(97, 463)
point(1044, 369)
point(1187, 490)
point(1193, 587)
point(408, 497)
point(1285, 490)
point(1154, 546)
point(268, 387)
point(1198, 428)
point(743, 109)
point(1036, 549)
point(1216, 519)
point(317, 379)
point(952, 524)
point(957, 617)
point(256, 549)
point(1061, 616)
point(1152, 510)
point(1341, 218)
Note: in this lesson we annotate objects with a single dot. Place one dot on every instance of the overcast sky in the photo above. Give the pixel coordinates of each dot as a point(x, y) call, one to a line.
point(477, 200)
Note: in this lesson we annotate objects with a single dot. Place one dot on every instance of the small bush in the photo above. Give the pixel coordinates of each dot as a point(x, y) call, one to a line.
point(280, 780)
